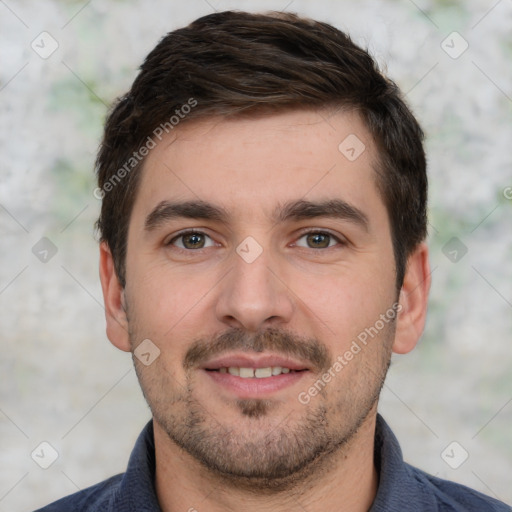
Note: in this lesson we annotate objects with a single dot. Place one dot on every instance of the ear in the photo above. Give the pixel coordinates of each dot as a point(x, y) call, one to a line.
point(113, 296)
point(413, 301)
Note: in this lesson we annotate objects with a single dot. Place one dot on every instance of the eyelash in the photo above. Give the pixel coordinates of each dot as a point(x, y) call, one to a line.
point(340, 242)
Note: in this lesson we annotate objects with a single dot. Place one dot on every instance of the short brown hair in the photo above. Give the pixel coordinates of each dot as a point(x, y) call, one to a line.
point(241, 64)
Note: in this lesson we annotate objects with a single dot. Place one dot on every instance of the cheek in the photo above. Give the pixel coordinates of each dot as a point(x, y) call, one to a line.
point(164, 301)
point(343, 306)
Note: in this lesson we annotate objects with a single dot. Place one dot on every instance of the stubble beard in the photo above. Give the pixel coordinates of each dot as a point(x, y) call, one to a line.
point(267, 457)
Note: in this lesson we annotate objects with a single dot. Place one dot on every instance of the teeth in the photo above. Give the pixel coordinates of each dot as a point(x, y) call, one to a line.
point(258, 373)
point(246, 372)
point(263, 372)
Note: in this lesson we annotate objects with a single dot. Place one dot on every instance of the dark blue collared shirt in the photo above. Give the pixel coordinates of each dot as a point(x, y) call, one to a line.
point(402, 488)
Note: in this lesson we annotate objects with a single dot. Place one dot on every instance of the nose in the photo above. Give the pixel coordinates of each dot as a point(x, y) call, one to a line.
point(254, 295)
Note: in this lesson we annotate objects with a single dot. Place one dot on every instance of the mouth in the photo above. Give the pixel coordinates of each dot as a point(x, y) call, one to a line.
point(247, 377)
point(254, 373)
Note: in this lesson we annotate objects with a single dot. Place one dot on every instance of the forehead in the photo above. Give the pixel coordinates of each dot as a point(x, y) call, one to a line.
point(252, 165)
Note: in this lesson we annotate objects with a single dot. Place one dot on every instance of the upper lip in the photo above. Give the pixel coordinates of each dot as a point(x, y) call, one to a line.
point(246, 361)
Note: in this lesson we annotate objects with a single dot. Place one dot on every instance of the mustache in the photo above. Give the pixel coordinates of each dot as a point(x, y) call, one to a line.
point(272, 340)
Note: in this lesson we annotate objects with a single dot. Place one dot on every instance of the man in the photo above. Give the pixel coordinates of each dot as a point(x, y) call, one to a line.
point(262, 255)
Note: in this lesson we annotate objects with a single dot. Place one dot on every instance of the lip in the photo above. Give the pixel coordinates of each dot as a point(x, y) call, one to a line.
point(246, 361)
point(254, 387)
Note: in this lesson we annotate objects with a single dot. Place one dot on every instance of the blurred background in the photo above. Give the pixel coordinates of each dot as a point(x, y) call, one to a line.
point(62, 382)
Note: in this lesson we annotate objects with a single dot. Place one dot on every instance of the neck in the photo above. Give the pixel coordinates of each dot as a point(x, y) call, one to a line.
point(346, 477)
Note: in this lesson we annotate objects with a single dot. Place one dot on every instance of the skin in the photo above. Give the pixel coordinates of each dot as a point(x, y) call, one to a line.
point(214, 450)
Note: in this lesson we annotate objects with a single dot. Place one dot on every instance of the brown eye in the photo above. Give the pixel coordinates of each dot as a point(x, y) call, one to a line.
point(318, 240)
point(191, 240)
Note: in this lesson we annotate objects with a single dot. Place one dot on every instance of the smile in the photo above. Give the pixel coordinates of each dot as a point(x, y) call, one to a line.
point(244, 382)
point(255, 373)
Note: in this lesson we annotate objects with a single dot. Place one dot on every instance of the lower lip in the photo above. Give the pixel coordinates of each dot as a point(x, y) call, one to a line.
point(255, 387)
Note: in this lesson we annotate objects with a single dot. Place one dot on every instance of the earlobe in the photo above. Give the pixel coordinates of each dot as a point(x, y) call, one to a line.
point(113, 296)
point(413, 301)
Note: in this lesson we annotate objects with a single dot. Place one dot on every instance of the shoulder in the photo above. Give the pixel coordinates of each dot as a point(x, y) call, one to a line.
point(454, 497)
point(131, 490)
point(406, 488)
point(95, 498)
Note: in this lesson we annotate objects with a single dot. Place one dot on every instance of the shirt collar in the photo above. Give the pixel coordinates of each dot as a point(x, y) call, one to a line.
point(137, 491)
point(398, 487)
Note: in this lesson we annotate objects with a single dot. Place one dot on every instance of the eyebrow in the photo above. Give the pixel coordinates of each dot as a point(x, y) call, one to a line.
point(295, 210)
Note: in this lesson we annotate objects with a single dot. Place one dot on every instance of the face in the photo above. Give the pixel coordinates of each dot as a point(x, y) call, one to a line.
point(258, 256)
